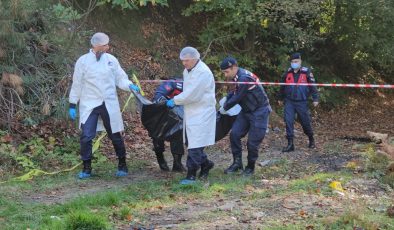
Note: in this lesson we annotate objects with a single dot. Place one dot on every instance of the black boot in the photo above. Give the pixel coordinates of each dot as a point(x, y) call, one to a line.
point(122, 167)
point(162, 162)
point(190, 178)
point(290, 146)
point(87, 170)
point(205, 167)
point(177, 165)
point(312, 144)
point(237, 165)
point(87, 166)
point(249, 169)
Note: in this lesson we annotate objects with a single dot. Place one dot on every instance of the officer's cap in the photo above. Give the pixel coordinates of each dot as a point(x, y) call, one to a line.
point(228, 62)
point(295, 56)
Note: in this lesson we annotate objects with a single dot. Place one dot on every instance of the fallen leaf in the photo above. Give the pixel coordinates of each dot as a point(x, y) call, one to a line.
point(6, 138)
point(336, 185)
point(302, 213)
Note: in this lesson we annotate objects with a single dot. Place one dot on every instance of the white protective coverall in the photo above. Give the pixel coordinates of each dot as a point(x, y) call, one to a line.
point(95, 82)
point(198, 99)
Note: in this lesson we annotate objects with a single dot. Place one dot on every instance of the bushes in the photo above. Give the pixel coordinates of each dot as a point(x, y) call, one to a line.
point(37, 39)
point(133, 4)
point(37, 152)
point(346, 41)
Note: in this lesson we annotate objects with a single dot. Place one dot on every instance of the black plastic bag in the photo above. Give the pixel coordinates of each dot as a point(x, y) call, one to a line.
point(164, 123)
point(161, 122)
point(223, 125)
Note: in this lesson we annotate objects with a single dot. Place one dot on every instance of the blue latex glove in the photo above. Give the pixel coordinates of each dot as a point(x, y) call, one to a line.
point(134, 87)
point(170, 103)
point(73, 113)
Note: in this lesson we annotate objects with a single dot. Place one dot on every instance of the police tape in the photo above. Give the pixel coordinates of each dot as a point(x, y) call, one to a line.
point(347, 85)
point(96, 145)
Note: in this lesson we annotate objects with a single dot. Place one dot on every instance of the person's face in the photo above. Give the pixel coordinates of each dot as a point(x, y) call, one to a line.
point(102, 48)
point(189, 63)
point(296, 62)
point(230, 72)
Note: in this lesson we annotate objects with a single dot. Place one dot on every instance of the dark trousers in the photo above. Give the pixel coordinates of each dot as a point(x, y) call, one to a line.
point(176, 145)
point(301, 109)
point(255, 125)
point(195, 158)
point(89, 133)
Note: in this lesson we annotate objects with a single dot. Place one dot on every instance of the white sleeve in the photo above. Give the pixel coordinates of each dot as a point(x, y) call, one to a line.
point(76, 87)
point(121, 78)
point(195, 91)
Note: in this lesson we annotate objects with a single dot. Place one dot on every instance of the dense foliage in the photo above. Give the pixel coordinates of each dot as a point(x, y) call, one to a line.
point(132, 4)
point(344, 40)
point(36, 40)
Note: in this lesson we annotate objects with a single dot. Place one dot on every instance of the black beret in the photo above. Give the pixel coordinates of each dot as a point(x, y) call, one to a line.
point(295, 56)
point(227, 63)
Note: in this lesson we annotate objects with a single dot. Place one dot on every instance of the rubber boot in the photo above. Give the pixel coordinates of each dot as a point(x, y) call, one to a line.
point(237, 165)
point(190, 178)
point(312, 144)
point(249, 169)
point(122, 167)
point(205, 167)
point(162, 162)
point(177, 165)
point(289, 147)
point(87, 170)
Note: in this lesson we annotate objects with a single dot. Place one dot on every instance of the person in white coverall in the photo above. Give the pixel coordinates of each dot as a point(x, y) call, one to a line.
point(96, 76)
point(199, 123)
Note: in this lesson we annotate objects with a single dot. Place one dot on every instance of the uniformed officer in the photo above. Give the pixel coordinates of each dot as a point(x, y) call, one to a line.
point(296, 100)
point(164, 92)
point(253, 118)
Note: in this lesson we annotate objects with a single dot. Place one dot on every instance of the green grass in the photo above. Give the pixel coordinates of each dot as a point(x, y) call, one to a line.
point(318, 181)
point(108, 208)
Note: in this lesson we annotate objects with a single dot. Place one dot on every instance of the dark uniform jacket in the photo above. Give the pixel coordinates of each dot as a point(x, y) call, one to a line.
point(298, 93)
point(248, 96)
point(168, 90)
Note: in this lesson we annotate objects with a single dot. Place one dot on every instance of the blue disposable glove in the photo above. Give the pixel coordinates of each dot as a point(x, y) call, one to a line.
point(170, 103)
point(134, 87)
point(73, 113)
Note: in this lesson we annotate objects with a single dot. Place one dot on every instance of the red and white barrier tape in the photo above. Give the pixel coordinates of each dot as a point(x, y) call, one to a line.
point(298, 84)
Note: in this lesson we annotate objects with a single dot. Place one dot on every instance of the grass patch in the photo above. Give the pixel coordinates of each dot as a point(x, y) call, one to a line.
point(129, 204)
point(81, 220)
point(280, 168)
point(318, 182)
point(362, 218)
point(133, 199)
